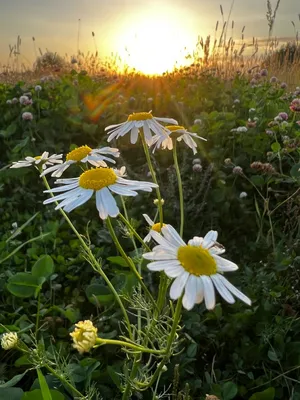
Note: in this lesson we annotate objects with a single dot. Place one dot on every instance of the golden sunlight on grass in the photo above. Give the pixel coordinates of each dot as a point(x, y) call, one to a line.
point(154, 44)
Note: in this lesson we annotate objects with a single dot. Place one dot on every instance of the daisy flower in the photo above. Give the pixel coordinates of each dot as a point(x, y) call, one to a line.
point(178, 133)
point(135, 122)
point(101, 181)
point(95, 157)
point(197, 267)
point(153, 227)
point(43, 160)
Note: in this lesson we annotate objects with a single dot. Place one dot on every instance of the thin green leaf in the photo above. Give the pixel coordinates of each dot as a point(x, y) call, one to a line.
point(44, 386)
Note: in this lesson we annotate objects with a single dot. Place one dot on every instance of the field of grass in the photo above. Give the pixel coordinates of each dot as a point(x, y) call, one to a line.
point(59, 268)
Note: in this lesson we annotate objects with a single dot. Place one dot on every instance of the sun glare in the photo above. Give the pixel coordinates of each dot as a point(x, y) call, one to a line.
point(154, 44)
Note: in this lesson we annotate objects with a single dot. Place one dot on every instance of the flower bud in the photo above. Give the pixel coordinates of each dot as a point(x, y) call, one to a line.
point(156, 202)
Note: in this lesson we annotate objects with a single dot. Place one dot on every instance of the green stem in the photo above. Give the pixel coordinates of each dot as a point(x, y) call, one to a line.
point(279, 205)
point(179, 186)
point(38, 314)
point(127, 390)
point(128, 259)
point(133, 231)
point(279, 156)
point(163, 286)
point(64, 381)
point(165, 359)
point(95, 262)
point(127, 344)
point(139, 313)
point(153, 174)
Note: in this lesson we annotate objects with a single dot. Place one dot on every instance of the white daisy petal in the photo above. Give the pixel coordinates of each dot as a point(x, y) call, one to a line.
point(210, 239)
point(134, 135)
point(147, 133)
point(221, 288)
point(147, 238)
point(224, 265)
point(178, 285)
point(62, 188)
point(190, 293)
point(161, 265)
point(173, 270)
point(196, 241)
point(121, 190)
point(155, 256)
point(169, 121)
point(110, 202)
point(162, 241)
point(209, 292)
point(113, 126)
point(148, 219)
point(79, 201)
point(234, 290)
point(71, 193)
point(172, 236)
point(200, 291)
point(106, 204)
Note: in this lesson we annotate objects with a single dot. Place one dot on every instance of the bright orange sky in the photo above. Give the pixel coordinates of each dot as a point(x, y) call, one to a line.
point(150, 35)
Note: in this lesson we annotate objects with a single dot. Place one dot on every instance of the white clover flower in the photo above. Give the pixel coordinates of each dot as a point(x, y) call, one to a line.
point(242, 129)
point(9, 340)
point(101, 181)
point(14, 225)
point(243, 195)
point(153, 227)
point(27, 116)
point(252, 110)
point(178, 133)
point(15, 100)
point(197, 122)
point(84, 154)
point(44, 160)
point(84, 336)
point(138, 121)
point(8, 102)
point(38, 88)
point(24, 100)
point(197, 267)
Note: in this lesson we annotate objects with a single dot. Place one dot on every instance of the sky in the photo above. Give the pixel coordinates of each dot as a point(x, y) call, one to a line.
point(137, 30)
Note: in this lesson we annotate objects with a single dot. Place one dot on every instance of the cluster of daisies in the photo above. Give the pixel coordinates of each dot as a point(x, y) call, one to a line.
point(196, 266)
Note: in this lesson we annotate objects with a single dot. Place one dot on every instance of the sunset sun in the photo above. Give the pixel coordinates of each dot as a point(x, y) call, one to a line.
point(155, 44)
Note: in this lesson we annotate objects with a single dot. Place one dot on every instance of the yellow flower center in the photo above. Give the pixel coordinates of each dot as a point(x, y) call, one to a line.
point(37, 157)
point(142, 116)
point(173, 128)
point(196, 260)
point(97, 178)
point(79, 153)
point(157, 227)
